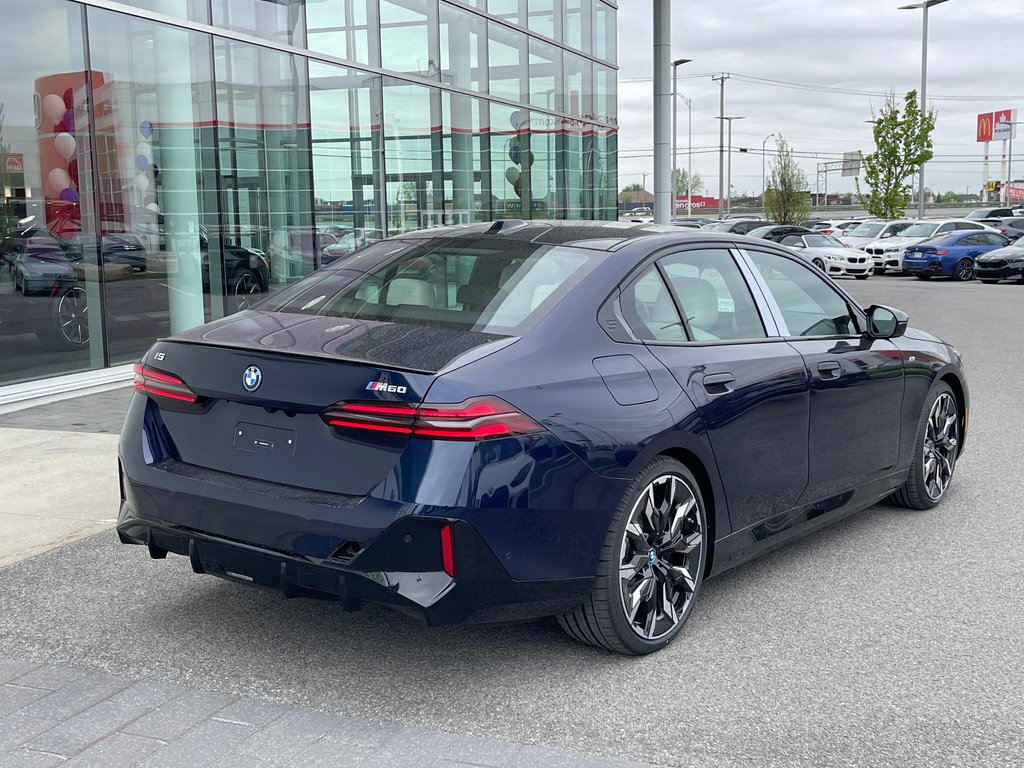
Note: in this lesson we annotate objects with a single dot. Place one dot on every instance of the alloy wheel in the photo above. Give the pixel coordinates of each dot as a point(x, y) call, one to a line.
point(660, 557)
point(965, 269)
point(247, 288)
point(73, 317)
point(941, 441)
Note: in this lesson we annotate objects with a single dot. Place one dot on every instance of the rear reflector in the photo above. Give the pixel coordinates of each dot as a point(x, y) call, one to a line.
point(160, 384)
point(447, 557)
point(478, 418)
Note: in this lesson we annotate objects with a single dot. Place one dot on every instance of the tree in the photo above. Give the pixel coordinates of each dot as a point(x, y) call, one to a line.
point(636, 187)
point(786, 199)
point(687, 185)
point(903, 141)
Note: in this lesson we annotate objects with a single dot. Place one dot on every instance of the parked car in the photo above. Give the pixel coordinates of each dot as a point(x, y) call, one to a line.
point(640, 210)
point(777, 232)
point(734, 226)
point(989, 213)
point(123, 248)
point(868, 231)
point(831, 256)
point(521, 419)
point(888, 254)
point(39, 294)
point(1001, 264)
point(246, 273)
point(40, 265)
point(834, 226)
point(1011, 226)
point(349, 241)
point(700, 221)
point(950, 255)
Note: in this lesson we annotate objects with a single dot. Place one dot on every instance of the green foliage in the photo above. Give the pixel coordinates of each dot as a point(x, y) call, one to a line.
point(903, 141)
point(637, 187)
point(786, 199)
point(685, 185)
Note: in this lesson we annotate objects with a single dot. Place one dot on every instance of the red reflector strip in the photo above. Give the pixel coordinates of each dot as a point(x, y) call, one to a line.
point(151, 374)
point(469, 433)
point(484, 409)
point(447, 556)
point(383, 409)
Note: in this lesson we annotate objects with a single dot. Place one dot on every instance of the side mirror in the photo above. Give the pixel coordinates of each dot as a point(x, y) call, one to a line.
point(886, 322)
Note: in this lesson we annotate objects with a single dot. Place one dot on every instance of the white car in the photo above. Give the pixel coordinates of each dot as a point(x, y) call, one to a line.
point(831, 256)
point(835, 226)
point(869, 231)
point(888, 254)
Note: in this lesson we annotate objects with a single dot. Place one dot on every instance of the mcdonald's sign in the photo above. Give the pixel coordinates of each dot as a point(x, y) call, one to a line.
point(985, 126)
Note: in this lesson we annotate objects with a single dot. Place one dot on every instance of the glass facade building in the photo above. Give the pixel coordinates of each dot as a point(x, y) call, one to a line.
point(165, 162)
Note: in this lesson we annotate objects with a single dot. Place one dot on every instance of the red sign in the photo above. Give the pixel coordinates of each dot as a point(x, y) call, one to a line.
point(14, 163)
point(1003, 124)
point(985, 127)
point(1015, 192)
point(697, 201)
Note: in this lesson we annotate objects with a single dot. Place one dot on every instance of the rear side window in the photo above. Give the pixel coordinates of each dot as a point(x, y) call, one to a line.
point(461, 283)
point(650, 310)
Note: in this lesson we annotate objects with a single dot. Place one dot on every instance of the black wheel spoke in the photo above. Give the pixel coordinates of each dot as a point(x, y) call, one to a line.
point(941, 442)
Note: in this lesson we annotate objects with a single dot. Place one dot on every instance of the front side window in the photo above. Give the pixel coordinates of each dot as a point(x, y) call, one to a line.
point(713, 295)
point(808, 303)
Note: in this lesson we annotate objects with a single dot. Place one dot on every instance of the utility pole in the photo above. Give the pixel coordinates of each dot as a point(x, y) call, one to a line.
point(644, 185)
point(662, 20)
point(721, 139)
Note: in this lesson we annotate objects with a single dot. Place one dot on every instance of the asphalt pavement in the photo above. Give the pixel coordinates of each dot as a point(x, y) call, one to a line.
point(892, 638)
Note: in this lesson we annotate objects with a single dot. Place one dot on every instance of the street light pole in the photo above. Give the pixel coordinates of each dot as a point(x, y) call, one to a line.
point(728, 188)
point(924, 6)
point(675, 132)
point(721, 139)
point(763, 185)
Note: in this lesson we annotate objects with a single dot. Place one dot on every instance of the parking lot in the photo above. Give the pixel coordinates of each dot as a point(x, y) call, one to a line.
point(892, 638)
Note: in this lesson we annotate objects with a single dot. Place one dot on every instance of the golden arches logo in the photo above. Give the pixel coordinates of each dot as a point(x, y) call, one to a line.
point(985, 127)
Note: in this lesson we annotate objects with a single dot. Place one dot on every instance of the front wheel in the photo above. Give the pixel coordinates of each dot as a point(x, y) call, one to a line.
point(819, 264)
point(963, 270)
point(938, 446)
point(246, 289)
point(651, 567)
point(69, 326)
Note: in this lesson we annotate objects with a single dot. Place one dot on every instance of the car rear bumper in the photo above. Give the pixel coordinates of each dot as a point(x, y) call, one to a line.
point(402, 569)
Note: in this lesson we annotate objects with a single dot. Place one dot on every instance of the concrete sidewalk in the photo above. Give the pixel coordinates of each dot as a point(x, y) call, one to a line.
point(59, 485)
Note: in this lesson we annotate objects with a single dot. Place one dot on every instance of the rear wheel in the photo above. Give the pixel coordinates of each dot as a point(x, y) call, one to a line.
point(938, 446)
point(69, 327)
point(652, 565)
point(246, 289)
point(963, 270)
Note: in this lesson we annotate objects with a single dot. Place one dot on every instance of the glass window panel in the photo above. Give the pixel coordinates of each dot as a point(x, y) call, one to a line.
point(575, 23)
point(463, 49)
point(545, 18)
point(808, 303)
point(605, 96)
point(544, 173)
point(578, 86)
point(265, 160)
point(280, 20)
point(344, 28)
point(512, 164)
point(346, 142)
point(193, 10)
point(512, 11)
point(46, 288)
point(603, 22)
point(412, 152)
point(649, 309)
point(545, 75)
point(154, 112)
point(605, 174)
point(407, 37)
point(507, 63)
point(463, 118)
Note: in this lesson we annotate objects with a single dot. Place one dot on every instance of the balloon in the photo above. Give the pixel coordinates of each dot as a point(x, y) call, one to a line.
point(141, 162)
point(69, 98)
point(528, 159)
point(68, 195)
point(59, 180)
point(53, 107)
point(143, 148)
point(515, 154)
point(65, 144)
point(512, 174)
point(69, 120)
point(146, 128)
point(153, 207)
point(141, 183)
point(516, 118)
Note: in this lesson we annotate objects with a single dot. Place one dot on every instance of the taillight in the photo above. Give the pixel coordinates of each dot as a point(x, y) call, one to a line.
point(160, 384)
point(447, 555)
point(940, 251)
point(478, 418)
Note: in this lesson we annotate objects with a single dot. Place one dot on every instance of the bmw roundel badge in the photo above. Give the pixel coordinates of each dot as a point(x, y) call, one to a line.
point(252, 378)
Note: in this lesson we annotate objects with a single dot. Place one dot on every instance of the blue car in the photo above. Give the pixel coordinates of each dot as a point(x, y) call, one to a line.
point(504, 421)
point(950, 255)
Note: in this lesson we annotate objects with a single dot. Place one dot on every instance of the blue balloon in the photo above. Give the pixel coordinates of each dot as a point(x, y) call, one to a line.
point(146, 128)
point(515, 154)
point(141, 162)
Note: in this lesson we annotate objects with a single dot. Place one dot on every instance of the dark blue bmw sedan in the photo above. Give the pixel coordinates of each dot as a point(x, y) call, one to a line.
point(504, 421)
point(950, 255)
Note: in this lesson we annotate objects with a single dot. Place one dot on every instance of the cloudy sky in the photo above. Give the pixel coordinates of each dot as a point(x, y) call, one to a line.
point(824, 48)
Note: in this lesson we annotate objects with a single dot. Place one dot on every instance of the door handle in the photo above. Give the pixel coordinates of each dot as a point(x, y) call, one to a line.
point(718, 383)
point(830, 369)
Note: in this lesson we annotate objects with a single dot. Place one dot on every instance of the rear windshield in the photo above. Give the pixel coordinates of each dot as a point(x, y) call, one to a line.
point(500, 287)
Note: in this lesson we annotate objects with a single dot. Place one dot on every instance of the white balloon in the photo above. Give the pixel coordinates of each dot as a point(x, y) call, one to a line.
point(53, 107)
point(153, 207)
point(65, 144)
point(59, 180)
point(143, 148)
point(141, 183)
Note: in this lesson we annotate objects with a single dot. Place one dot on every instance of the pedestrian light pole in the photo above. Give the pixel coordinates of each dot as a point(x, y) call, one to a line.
point(728, 182)
point(923, 6)
point(675, 118)
point(764, 185)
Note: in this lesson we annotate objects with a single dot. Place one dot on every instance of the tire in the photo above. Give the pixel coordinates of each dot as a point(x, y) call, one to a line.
point(245, 289)
point(940, 419)
point(69, 325)
point(667, 576)
point(963, 270)
point(819, 264)
point(923, 276)
point(862, 277)
point(988, 281)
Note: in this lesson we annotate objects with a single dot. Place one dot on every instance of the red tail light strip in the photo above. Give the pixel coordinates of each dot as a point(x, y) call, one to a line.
point(161, 384)
point(478, 418)
point(447, 555)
